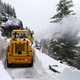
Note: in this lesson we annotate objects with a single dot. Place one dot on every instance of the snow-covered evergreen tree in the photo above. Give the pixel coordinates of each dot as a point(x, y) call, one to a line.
point(6, 11)
point(64, 48)
point(9, 10)
point(8, 19)
point(63, 10)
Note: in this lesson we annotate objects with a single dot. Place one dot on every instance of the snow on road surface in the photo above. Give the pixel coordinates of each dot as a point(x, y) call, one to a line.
point(69, 74)
point(66, 72)
point(3, 73)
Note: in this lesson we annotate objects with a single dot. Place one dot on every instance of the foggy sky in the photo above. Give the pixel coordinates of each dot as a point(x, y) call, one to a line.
point(36, 14)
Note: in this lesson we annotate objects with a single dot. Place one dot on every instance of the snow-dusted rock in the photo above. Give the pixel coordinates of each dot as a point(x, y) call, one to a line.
point(11, 22)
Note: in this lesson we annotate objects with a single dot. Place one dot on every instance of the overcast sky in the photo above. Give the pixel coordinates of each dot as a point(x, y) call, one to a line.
point(36, 14)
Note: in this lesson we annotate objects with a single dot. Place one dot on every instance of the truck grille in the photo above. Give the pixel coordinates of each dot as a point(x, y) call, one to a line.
point(19, 48)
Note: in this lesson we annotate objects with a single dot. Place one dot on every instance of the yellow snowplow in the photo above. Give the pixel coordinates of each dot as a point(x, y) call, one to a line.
point(20, 52)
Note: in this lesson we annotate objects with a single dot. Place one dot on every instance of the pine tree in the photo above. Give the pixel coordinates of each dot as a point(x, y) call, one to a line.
point(64, 48)
point(14, 13)
point(63, 10)
point(9, 10)
point(5, 11)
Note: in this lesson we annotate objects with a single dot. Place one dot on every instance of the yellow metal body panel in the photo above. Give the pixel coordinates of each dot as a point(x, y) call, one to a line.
point(20, 50)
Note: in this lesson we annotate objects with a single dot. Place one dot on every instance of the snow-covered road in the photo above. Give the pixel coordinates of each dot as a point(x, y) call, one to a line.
point(36, 72)
point(33, 73)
